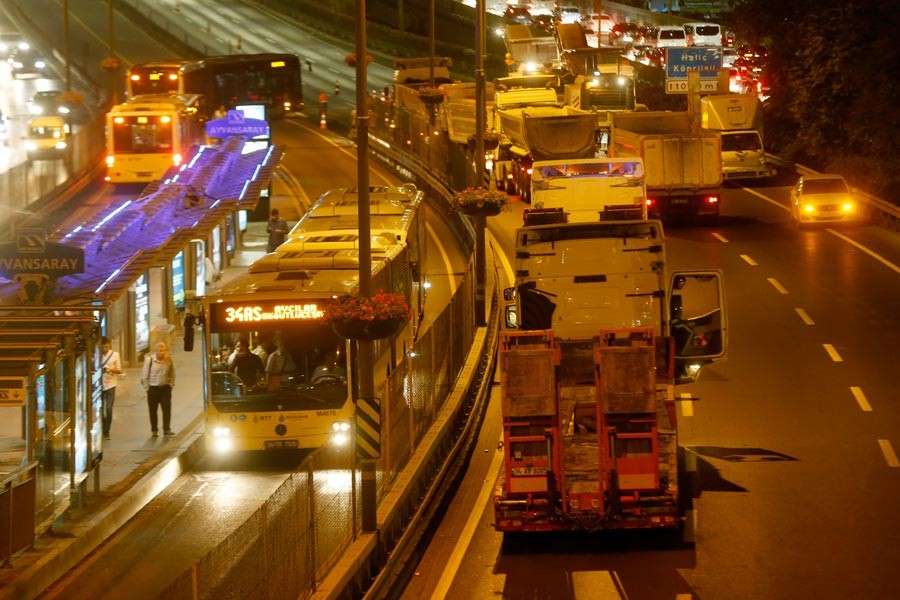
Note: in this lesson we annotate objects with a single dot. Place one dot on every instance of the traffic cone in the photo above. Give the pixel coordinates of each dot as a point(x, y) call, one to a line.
point(322, 123)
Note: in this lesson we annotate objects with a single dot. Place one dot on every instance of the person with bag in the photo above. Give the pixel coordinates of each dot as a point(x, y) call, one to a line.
point(158, 378)
point(111, 367)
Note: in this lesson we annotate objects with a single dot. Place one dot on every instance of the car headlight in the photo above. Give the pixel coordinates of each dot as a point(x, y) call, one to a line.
point(847, 207)
point(39, 64)
point(64, 110)
point(809, 208)
point(60, 146)
point(30, 146)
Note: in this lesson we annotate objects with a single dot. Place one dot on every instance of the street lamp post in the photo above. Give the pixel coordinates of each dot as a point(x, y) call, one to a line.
point(480, 119)
point(368, 494)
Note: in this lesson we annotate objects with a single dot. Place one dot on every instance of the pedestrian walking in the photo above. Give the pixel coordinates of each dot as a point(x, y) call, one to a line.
point(309, 65)
point(158, 378)
point(277, 230)
point(337, 87)
point(111, 367)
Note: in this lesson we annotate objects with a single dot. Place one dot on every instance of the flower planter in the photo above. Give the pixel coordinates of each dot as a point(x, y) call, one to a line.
point(490, 210)
point(354, 329)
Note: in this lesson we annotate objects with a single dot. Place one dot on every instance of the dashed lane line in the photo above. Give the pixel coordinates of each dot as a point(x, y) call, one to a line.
point(861, 399)
point(833, 353)
point(781, 289)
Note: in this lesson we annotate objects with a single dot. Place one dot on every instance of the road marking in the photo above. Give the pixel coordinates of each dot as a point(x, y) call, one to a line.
point(748, 260)
point(889, 455)
point(861, 398)
point(487, 488)
point(721, 238)
point(687, 404)
point(806, 318)
point(833, 353)
point(777, 285)
point(372, 171)
point(446, 258)
point(767, 199)
point(507, 266)
point(301, 208)
point(877, 257)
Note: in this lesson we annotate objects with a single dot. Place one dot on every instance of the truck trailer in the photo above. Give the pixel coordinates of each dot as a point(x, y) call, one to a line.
point(537, 128)
point(599, 339)
point(683, 165)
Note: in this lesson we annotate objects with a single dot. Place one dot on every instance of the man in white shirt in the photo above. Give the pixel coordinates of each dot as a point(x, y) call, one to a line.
point(111, 366)
point(158, 378)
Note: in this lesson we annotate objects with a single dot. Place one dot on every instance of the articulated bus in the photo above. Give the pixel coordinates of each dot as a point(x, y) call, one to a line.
point(275, 80)
point(160, 77)
point(304, 398)
point(150, 134)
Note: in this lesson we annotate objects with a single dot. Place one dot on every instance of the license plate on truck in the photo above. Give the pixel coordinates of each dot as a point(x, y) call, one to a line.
point(281, 444)
point(680, 200)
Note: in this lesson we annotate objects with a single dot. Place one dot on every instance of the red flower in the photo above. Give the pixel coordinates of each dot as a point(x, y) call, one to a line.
point(382, 306)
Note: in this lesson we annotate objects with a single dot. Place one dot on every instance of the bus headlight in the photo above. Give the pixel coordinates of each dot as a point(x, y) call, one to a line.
point(340, 435)
point(221, 432)
point(30, 146)
point(110, 161)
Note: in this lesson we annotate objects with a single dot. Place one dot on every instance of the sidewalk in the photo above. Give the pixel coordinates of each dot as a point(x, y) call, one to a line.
point(135, 465)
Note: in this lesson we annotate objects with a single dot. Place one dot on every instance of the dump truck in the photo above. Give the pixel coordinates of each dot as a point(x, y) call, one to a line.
point(683, 165)
point(534, 126)
point(598, 338)
point(528, 54)
point(591, 189)
point(738, 119)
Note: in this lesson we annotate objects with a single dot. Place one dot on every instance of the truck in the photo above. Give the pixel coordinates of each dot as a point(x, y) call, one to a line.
point(682, 163)
point(738, 119)
point(535, 126)
point(591, 189)
point(599, 336)
point(526, 53)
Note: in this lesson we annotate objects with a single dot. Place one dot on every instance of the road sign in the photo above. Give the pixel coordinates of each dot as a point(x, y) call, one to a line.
point(679, 61)
point(680, 86)
point(12, 391)
point(368, 427)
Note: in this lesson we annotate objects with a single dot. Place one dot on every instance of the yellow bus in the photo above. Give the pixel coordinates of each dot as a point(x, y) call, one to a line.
point(148, 135)
point(304, 396)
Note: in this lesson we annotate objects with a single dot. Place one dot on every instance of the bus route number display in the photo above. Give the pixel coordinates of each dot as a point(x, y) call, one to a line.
point(232, 315)
point(286, 312)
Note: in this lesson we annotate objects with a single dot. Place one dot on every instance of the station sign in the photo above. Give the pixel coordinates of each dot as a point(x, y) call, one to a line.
point(12, 391)
point(680, 86)
point(235, 123)
point(32, 253)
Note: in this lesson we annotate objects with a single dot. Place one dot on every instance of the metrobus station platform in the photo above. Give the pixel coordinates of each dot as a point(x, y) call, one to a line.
point(134, 467)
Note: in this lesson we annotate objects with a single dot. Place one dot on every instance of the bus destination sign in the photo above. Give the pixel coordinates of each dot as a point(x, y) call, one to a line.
point(227, 316)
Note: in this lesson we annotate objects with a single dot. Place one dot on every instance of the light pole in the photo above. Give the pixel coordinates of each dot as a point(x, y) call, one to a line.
point(368, 494)
point(480, 119)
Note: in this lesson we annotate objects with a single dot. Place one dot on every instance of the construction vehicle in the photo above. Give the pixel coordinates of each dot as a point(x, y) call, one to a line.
point(683, 165)
point(527, 54)
point(600, 338)
point(591, 189)
point(535, 126)
point(738, 119)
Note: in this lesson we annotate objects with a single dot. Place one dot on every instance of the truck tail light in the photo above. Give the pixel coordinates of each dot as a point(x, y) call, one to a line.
point(712, 199)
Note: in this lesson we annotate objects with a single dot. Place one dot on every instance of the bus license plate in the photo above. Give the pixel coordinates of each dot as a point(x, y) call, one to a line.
point(281, 444)
point(679, 200)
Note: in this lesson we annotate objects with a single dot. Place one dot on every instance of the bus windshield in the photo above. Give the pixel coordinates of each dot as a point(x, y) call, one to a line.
point(300, 367)
point(142, 135)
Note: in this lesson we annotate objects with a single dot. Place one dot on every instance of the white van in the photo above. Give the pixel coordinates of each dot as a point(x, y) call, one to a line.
point(670, 36)
point(47, 137)
point(703, 34)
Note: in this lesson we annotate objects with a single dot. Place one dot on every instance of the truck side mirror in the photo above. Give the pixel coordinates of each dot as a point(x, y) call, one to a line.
point(509, 294)
point(512, 317)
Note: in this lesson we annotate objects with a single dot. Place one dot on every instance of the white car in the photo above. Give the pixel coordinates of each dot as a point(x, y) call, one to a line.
point(569, 14)
point(824, 198)
point(671, 36)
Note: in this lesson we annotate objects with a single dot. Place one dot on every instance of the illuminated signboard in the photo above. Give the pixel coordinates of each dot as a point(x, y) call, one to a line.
point(243, 315)
point(178, 280)
point(142, 312)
